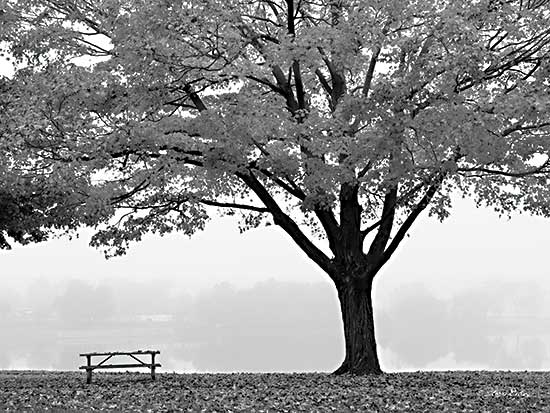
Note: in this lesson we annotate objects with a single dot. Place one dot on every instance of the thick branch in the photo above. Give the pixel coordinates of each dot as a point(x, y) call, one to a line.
point(285, 222)
point(140, 187)
point(324, 83)
point(424, 202)
point(325, 216)
point(338, 88)
point(284, 85)
point(534, 171)
point(195, 98)
point(370, 71)
point(233, 205)
point(300, 92)
point(520, 126)
point(350, 246)
point(290, 16)
point(386, 224)
point(267, 83)
point(398, 201)
point(290, 187)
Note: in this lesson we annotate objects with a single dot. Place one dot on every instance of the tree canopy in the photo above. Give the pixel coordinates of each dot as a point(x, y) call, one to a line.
point(31, 201)
point(293, 106)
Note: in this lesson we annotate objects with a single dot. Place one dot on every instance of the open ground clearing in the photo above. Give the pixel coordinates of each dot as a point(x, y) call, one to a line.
point(453, 391)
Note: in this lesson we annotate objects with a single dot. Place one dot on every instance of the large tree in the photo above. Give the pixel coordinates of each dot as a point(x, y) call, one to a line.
point(340, 121)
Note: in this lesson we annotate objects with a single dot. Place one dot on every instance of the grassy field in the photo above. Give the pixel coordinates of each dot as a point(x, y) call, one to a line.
point(453, 391)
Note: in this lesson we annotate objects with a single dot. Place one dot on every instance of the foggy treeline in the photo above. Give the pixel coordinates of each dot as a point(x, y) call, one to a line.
point(273, 326)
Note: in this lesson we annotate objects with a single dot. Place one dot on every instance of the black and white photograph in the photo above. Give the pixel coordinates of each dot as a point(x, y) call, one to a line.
point(275, 206)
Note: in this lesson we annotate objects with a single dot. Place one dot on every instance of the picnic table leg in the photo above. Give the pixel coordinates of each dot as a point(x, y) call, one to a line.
point(153, 366)
point(89, 370)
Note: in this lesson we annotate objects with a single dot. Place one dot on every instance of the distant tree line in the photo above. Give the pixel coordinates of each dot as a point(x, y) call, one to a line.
point(227, 329)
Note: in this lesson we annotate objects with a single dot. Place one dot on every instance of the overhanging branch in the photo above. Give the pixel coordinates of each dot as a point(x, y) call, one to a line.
point(386, 224)
point(399, 200)
point(233, 205)
point(285, 222)
point(538, 170)
point(424, 202)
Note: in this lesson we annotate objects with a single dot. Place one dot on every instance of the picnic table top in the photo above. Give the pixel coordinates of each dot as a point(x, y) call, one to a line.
point(118, 366)
point(121, 353)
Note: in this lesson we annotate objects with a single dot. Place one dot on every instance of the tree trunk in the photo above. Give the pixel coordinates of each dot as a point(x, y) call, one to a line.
point(357, 316)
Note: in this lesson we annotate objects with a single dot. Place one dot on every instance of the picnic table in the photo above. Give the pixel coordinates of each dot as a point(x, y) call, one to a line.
point(89, 367)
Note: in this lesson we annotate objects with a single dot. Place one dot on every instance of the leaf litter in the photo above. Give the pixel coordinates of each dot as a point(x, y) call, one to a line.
point(451, 391)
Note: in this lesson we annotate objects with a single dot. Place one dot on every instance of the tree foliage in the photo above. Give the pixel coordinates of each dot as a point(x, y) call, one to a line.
point(348, 117)
point(32, 200)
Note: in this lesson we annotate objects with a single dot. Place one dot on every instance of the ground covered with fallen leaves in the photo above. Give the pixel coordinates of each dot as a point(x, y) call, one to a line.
point(453, 391)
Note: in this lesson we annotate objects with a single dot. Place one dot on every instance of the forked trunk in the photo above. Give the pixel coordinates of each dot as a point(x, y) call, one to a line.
point(357, 315)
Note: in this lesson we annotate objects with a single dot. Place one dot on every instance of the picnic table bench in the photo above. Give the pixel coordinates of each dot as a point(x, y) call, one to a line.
point(89, 367)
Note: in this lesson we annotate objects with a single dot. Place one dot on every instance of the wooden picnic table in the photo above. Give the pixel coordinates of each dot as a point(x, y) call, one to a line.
point(89, 367)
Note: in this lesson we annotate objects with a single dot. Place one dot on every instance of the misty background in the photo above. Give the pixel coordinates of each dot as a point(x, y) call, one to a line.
point(271, 326)
point(469, 293)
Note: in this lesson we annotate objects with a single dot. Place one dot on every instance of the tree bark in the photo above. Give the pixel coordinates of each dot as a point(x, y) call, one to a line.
point(357, 316)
